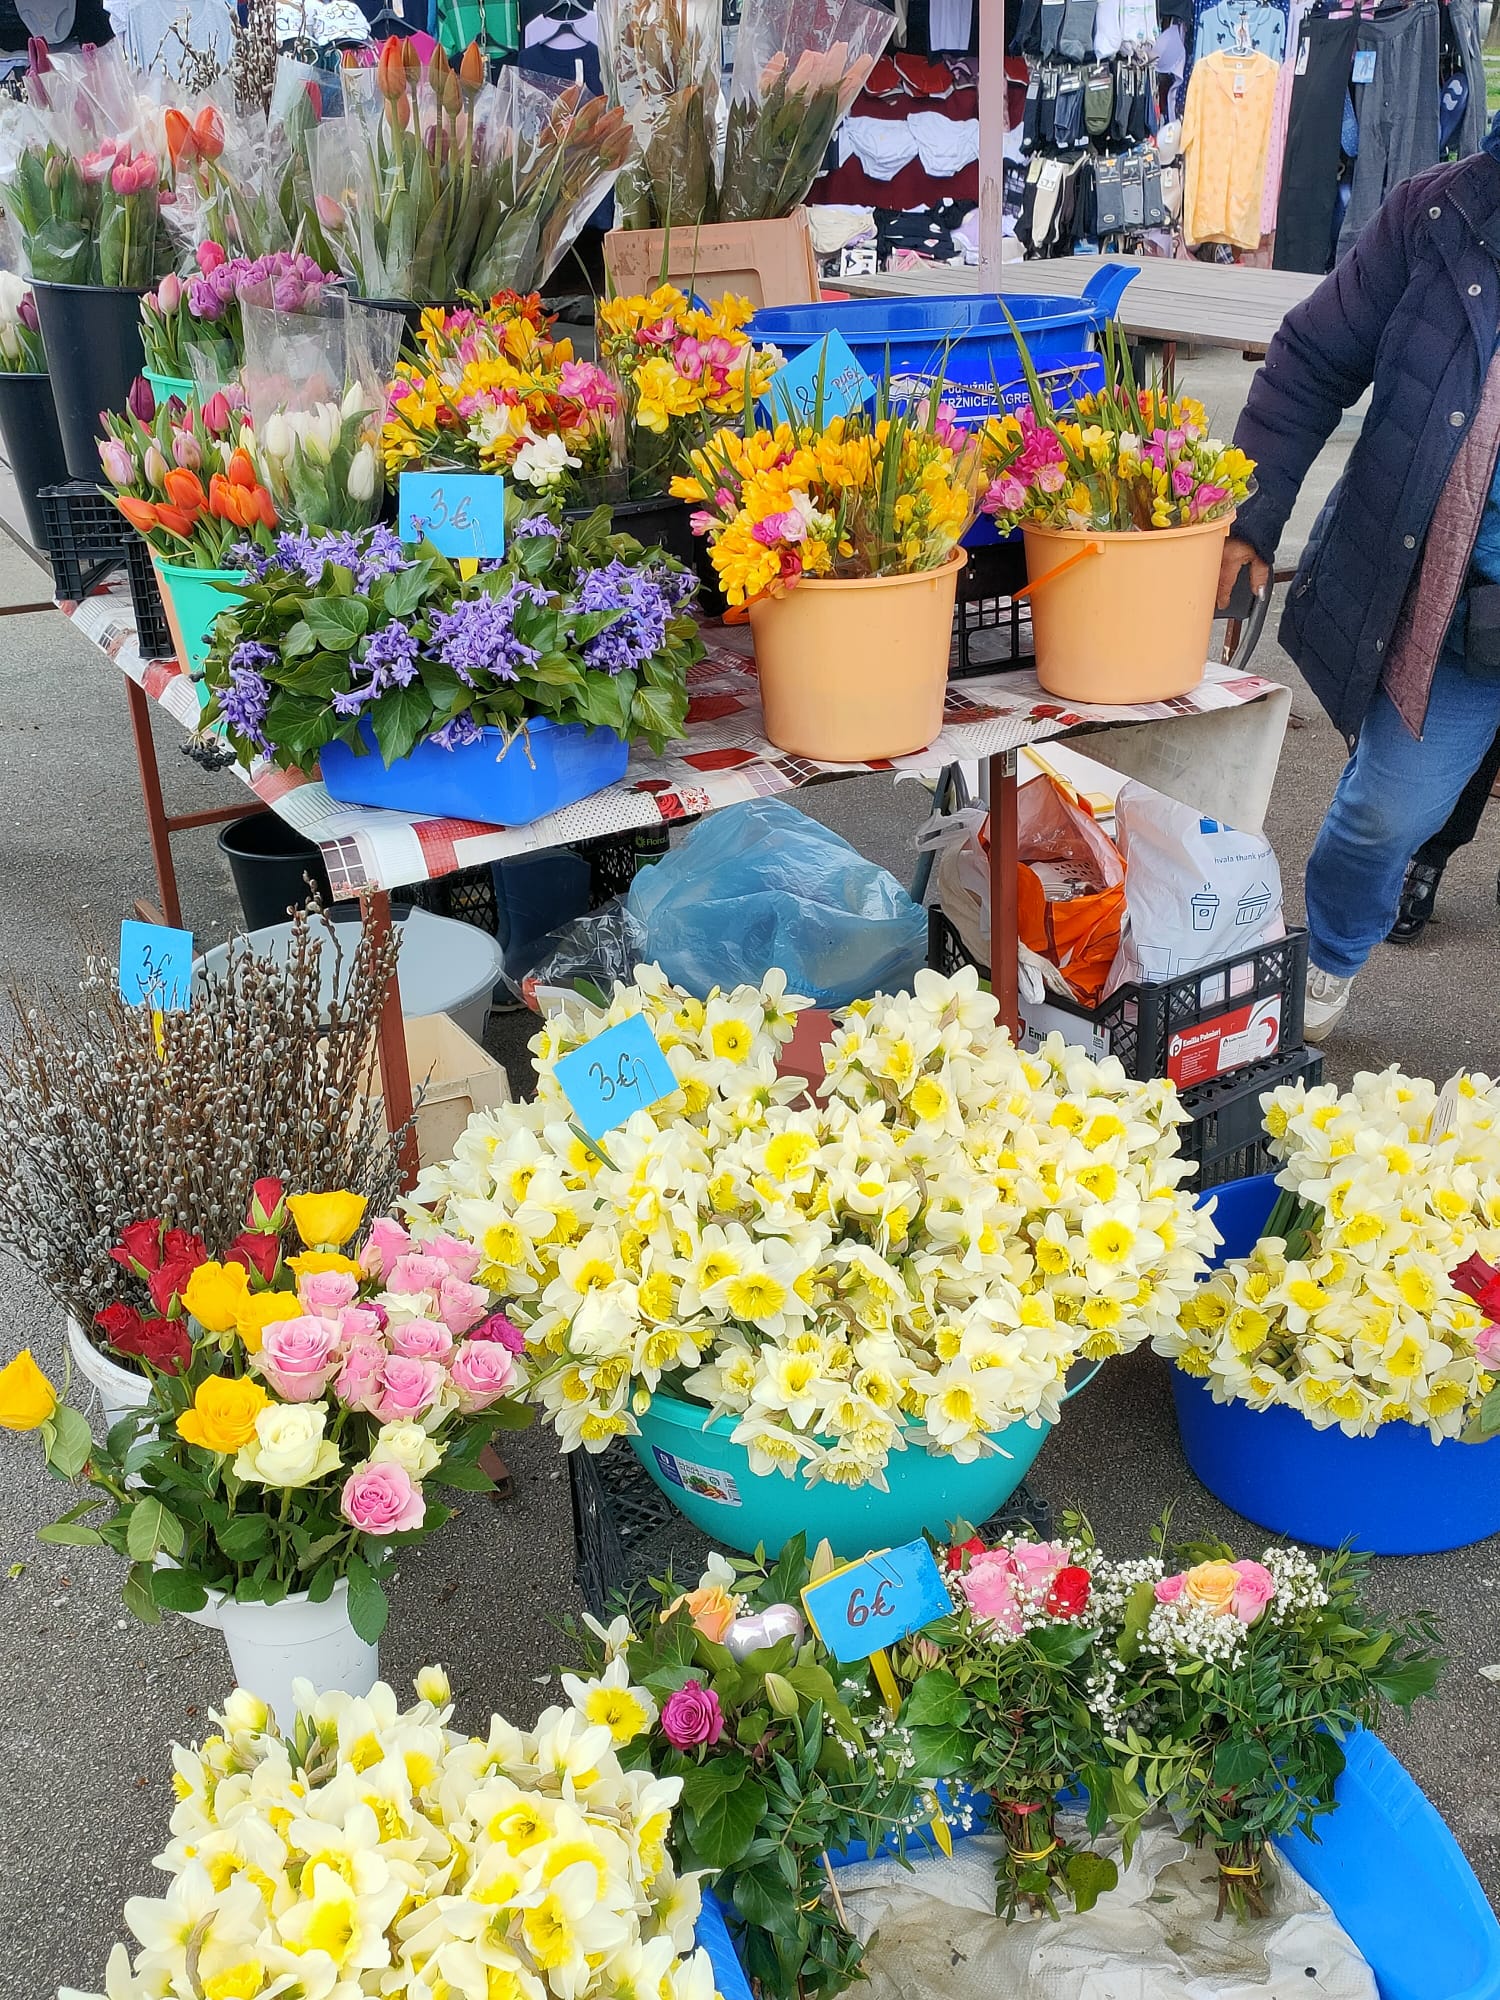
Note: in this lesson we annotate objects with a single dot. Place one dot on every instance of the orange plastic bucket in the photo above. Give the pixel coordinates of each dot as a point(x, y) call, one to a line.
point(1132, 620)
point(853, 669)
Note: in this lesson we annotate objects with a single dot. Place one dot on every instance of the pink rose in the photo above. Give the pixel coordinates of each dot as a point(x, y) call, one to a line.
point(386, 1242)
point(481, 1371)
point(424, 1338)
point(360, 1323)
point(1257, 1587)
point(498, 1327)
point(360, 1375)
point(297, 1356)
point(407, 1387)
point(1487, 1345)
point(692, 1716)
point(1169, 1589)
point(989, 1584)
point(415, 1273)
point(327, 1292)
point(462, 1259)
point(381, 1500)
point(460, 1305)
point(1037, 1563)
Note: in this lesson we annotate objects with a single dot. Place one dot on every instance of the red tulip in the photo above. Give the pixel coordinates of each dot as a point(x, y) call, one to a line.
point(390, 69)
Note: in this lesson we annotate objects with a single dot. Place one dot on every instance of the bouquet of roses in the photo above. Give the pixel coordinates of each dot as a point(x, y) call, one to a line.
point(870, 494)
point(21, 350)
point(339, 635)
point(193, 327)
point(401, 1856)
point(724, 1691)
point(302, 1401)
point(493, 390)
point(684, 371)
point(1120, 459)
point(185, 478)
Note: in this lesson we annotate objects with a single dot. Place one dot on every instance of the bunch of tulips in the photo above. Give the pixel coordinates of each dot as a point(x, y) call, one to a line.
point(187, 478)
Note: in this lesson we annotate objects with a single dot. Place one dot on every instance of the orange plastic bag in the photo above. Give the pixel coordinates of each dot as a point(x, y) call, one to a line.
point(1060, 840)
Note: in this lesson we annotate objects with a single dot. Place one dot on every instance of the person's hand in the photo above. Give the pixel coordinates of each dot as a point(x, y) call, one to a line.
point(1236, 555)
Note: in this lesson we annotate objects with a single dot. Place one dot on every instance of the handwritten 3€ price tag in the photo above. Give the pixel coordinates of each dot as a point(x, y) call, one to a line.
point(793, 391)
point(156, 967)
point(877, 1602)
point(460, 513)
point(622, 1070)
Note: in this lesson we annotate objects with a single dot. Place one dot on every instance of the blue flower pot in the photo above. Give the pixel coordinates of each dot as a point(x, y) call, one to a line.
point(550, 765)
point(707, 1478)
point(1394, 1494)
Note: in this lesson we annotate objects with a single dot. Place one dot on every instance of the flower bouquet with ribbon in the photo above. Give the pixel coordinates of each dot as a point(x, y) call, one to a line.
point(660, 60)
point(783, 1756)
point(186, 478)
point(798, 66)
point(315, 382)
point(21, 351)
point(491, 389)
point(304, 1402)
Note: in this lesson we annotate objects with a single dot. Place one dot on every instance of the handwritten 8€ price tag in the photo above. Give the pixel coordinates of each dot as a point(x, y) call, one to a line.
point(877, 1602)
point(793, 391)
point(622, 1070)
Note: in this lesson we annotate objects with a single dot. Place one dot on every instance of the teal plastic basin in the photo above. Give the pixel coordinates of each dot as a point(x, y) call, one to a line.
point(197, 600)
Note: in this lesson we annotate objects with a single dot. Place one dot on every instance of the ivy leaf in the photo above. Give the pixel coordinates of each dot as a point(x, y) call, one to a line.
point(941, 1752)
point(338, 623)
point(1239, 1762)
point(1089, 1876)
point(400, 718)
point(726, 1826)
point(707, 1783)
point(405, 589)
point(658, 714)
point(368, 1609)
point(1406, 1680)
point(937, 1701)
point(299, 641)
point(765, 1904)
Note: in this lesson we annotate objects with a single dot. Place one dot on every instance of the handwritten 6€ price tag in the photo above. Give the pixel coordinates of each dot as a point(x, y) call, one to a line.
point(877, 1602)
point(793, 391)
point(460, 513)
point(622, 1070)
point(156, 967)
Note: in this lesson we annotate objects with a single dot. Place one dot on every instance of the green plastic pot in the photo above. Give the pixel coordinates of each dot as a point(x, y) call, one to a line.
point(192, 600)
point(165, 387)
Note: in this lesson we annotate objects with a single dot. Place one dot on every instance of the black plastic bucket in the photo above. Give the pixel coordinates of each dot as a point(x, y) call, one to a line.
point(33, 445)
point(92, 334)
point(268, 860)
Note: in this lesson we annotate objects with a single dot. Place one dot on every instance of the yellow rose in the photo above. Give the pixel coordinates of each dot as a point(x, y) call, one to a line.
point(223, 1413)
point(711, 1610)
point(27, 1398)
point(214, 1295)
point(306, 1262)
point(1211, 1586)
point(324, 1221)
point(262, 1309)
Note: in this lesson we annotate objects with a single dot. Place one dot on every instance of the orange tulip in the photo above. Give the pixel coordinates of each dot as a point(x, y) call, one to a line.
point(472, 67)
point(221, 498)
point(411, 60)
point(139, 513)
point(265, 507)
point(179, 137)
point(241, 467)
point(208, 132)
point(185, 490)
point(390, 69)
point(175, 522)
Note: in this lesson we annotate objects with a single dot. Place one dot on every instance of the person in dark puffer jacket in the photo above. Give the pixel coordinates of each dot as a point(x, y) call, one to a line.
point(1393, 616)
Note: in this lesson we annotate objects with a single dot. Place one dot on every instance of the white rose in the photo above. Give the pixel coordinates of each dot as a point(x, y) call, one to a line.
point(406, 1445)
point(289, 1448)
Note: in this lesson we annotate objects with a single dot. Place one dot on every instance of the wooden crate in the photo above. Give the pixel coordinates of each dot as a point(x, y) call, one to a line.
point(769, 263)
point(455, 1077)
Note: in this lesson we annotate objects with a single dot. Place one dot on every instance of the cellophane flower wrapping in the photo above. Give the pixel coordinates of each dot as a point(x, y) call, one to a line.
point(240, 178)
point(798, 66)
point(21, 351)
point(315, 386)
point(660, 60)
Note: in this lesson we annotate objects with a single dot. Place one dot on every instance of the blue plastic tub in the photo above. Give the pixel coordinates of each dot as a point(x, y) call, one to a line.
point(550, 765)
point(963, 339)
point(1394, 1494)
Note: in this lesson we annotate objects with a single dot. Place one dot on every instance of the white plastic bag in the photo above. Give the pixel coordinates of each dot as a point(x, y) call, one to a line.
point(1196, 891)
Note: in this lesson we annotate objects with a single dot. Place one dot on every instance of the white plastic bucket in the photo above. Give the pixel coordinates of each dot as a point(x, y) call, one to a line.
point(272, 1645)
point(118, 1389)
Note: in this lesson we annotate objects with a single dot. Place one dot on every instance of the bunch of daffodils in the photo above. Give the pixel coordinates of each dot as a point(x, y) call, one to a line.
point(916, 1260)
point(376, 1851)
point(1346, 1310)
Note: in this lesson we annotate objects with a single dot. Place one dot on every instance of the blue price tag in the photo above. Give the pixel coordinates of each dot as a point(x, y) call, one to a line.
point(877, 1602)
point(793, 391)
point(622, 1070)
point(1364, 66)
point(156, 967)
point(460, 513)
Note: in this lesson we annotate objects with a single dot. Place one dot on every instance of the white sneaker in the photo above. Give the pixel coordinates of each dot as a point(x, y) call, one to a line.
point(1326, 998)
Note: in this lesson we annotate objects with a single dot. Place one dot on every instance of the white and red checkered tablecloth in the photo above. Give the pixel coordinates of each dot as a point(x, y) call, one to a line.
point(725, 757)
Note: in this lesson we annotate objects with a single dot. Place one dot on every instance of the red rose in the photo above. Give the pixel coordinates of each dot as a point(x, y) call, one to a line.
point(1480, 1282)
point(119, 1323)
point(166, 1284)
point(265, 1204)
point(257, 1251)
point(961, 1550)
point(180, 1246)
point(1069, 1594)
point(163, 1343)
point(139, 1247)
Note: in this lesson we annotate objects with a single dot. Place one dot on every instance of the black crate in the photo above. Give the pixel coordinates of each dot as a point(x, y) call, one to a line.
point(1227, 1136)
point(467, 895)
point(625, 1531)
point(152, 632)
point(1142, 1022)
point(986, 604)
point(615, 859)
point(87, 536)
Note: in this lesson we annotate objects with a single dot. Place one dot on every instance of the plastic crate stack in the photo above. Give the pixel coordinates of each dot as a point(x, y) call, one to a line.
point(1147, 1026)
point(88, 540)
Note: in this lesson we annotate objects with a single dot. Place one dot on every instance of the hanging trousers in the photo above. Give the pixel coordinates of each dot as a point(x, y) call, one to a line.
point(1310, 164)
point(1397, 110)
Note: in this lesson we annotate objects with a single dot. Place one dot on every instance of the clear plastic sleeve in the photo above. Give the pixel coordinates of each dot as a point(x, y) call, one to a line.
point(660, 60)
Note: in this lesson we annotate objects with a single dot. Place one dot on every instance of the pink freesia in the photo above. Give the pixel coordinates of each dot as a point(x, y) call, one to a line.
point(460, 1305)
point(1182, 481)
point(407, 1387)
point(498, 1328)
point(415, 1272)
point(1257, 1587)
point(481, 1372)
point(386, 1242)
point(1169, 1588)
point(382, 1500)
point(298, 1356)
point(359, 1378)
point(588, 385)
point(787, 526)
point(327, 1292)
point(427, 1339)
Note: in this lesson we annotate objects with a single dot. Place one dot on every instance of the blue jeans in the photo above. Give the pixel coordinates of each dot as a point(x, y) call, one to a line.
point(1395, 793)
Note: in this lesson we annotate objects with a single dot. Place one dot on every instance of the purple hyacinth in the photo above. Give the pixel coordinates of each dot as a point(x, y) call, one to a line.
point(478, 635)
point(390, 661)
point(646, 606)
point(457, 734)
point(540, 526)
point(247, 699)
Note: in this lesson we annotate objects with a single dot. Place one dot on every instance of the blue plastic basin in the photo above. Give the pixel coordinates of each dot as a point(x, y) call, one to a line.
point(1394, 1494)
point(548, 766)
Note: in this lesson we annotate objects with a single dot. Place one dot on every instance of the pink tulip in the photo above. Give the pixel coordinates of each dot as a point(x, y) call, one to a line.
point(210, 257)
point(154, 466)
point(119, 466)
point(169, 293)
point(185, 451)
